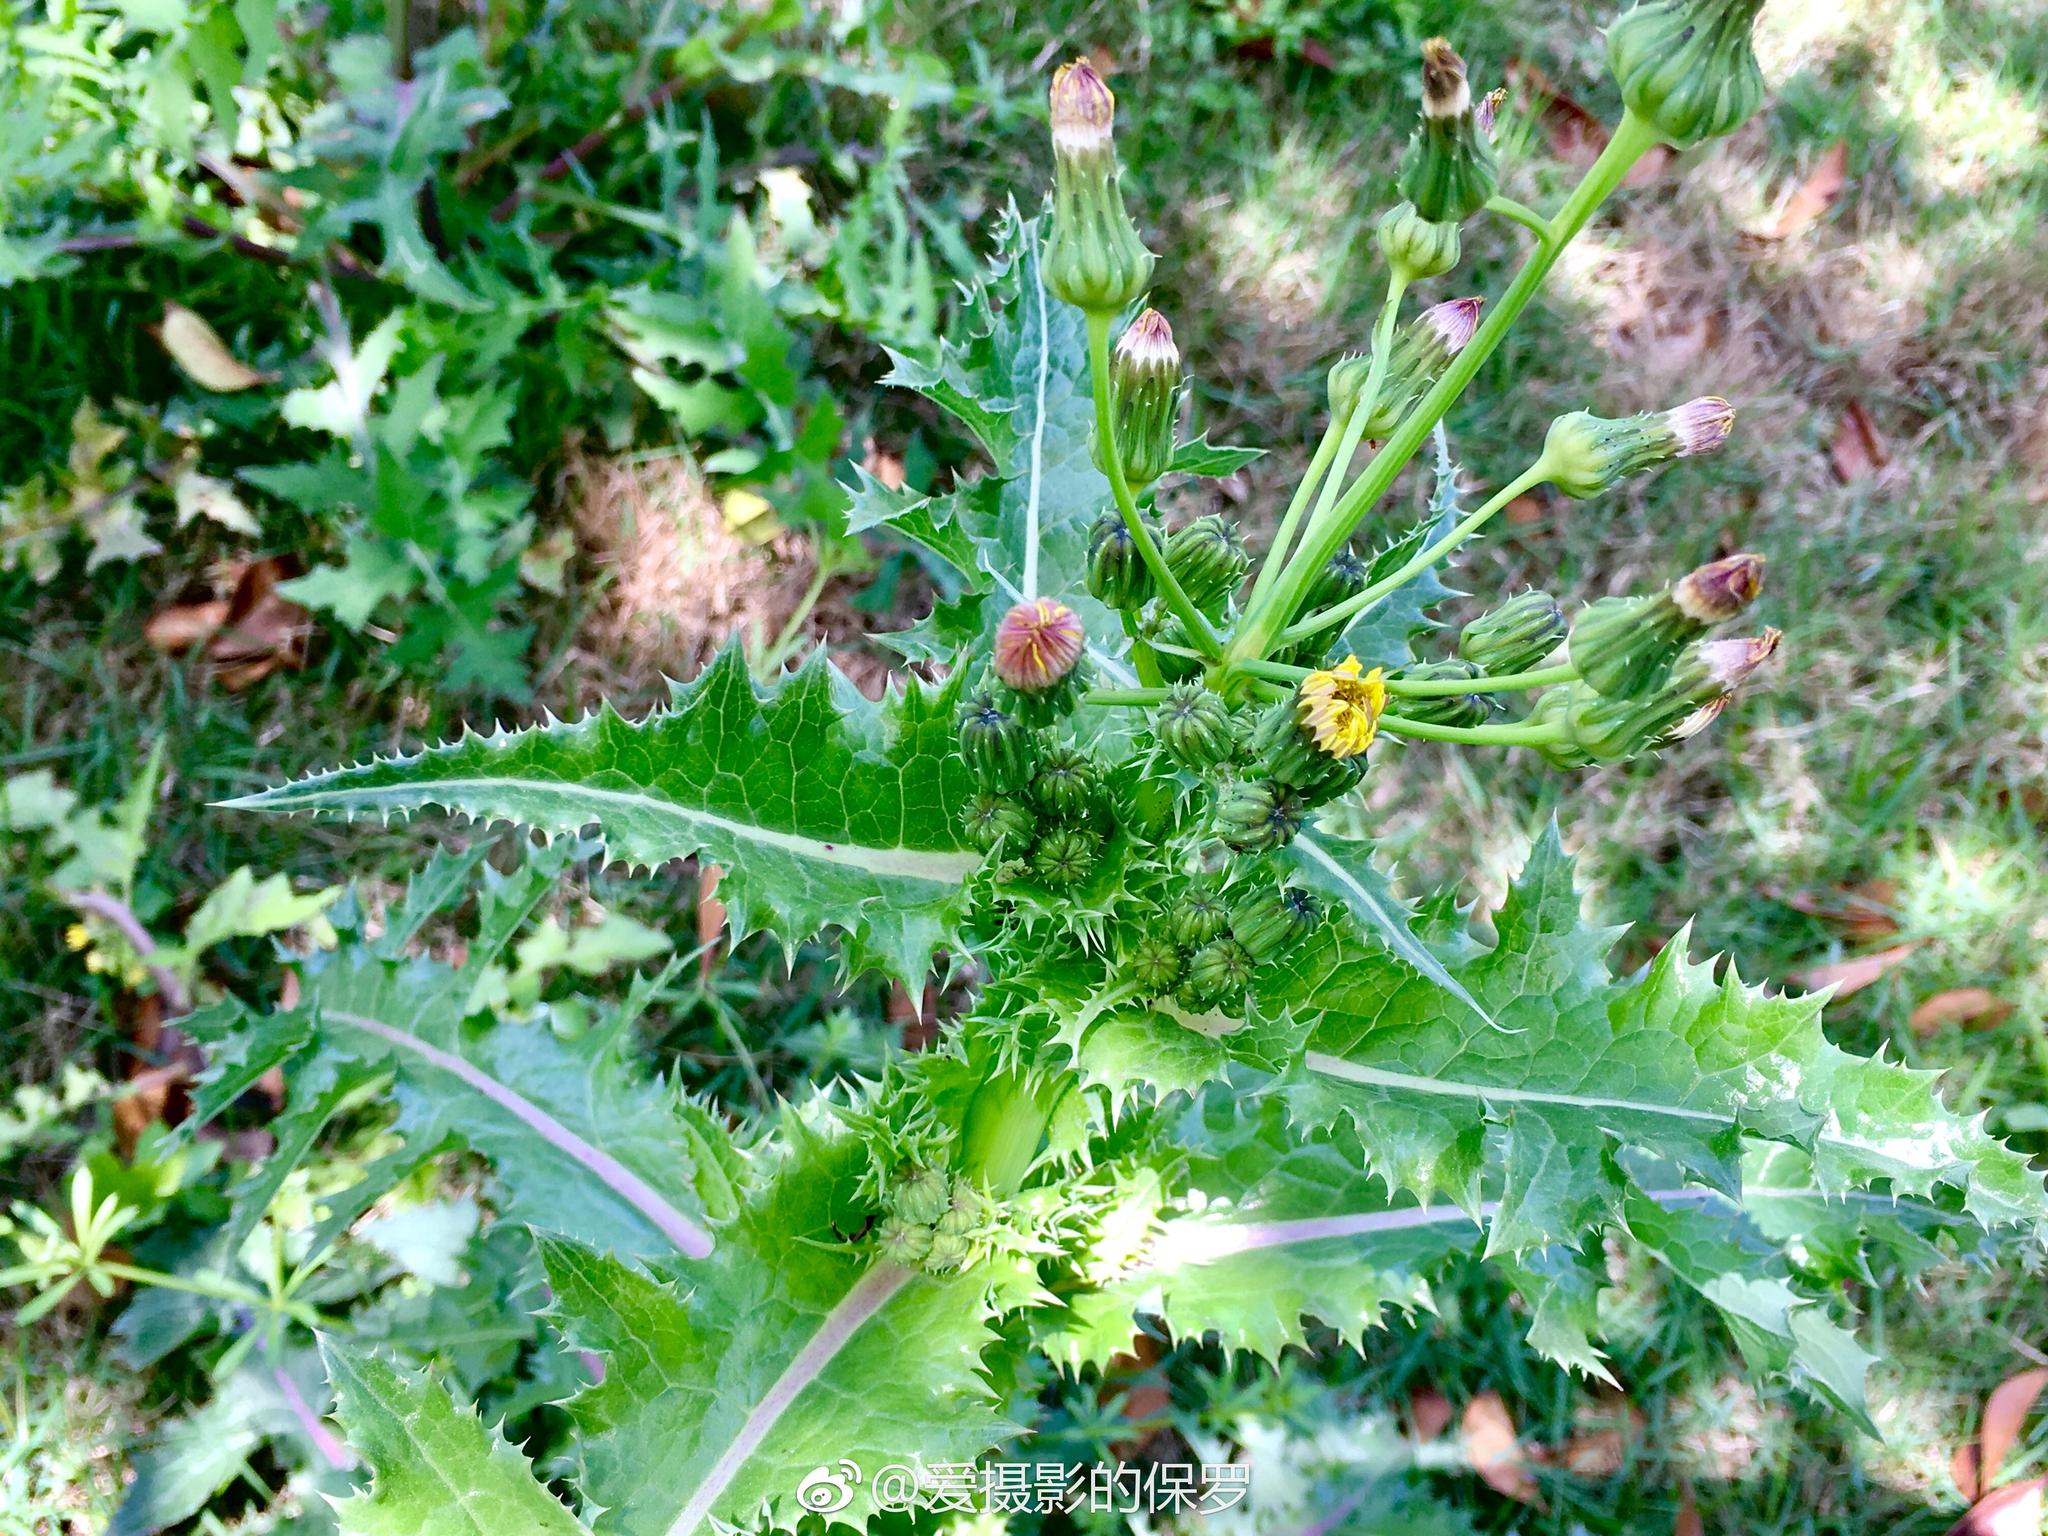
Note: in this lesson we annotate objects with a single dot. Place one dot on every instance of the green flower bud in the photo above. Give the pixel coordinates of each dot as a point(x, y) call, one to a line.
point(1153, 965)
point(1174, 668)
point(1207, 559)
point(994, 822)
point(1554, 707)
point(1604, 729)
point(1218, 972)
point(1193, 725)
point(1093, 257)
point(1270, 922)
point(955, 1223)
point(1442, 709)
point(1516, 636)
point(1144, 382)
point(1686, 68)
point(1067, 783)
point(1199, 916)
point(968, 1204)
point(918, 1194)
point(1430, 341)
point(1286, 754)
point(1343, 575)
point(1624, 646)
point(1414, 247)
point(1258, 815)
point(1117, 575)
point(1065, 856)
point(1584, 454)
point(949, 1251)
point(902, 1242)
point(1449, 170)
point(996, 744)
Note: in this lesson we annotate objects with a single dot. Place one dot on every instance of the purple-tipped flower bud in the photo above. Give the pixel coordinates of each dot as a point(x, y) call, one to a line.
point(1144, 381)
point(1038, 644)
point(1428, 343)
point(1414, 247)
point(1486, 110)
point(1449, 171)
point(1093, 257)
point(1686, 67)
point(1624, 647)
point(1584, 454)
point(1607, 729)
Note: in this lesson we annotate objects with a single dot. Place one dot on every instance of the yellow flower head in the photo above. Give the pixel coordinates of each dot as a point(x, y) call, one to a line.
point(77, 936)
point(1340, 709)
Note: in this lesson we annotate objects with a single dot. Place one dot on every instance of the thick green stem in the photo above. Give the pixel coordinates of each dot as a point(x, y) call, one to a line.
point(1283, 536)
point(1278, 671)
point(1473, 735)
point(1423, 559)
point(1005, 1125)
point(1113, 696)
point(1451, 687)
point(1113, 469)
point(1367, 402)
point(1259, 629)
point(1521, 213)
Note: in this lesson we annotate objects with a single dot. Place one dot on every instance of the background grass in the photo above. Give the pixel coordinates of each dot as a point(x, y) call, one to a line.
point(1893, 759)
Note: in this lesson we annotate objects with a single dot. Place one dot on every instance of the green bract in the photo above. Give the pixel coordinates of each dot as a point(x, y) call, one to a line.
point(1303, 1096)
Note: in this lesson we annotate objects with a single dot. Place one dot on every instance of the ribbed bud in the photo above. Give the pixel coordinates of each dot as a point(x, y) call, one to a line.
point(1603, 729)
point(1584, 454)
point(1419, 354)
point(1038, 645)
point(918, 1194)
point(1258, 815)
point(1176, 668)
point(1516, 636)
point(1153, 965)
point(1218, 973)
point(1624, 647)
point(1117, 575)
point(1268, 923)
point(1284, 750)
point(949, 1251)
point(1093, 257)
point(1448, 172)
point(1067, 783)
point(1686, 67)
point(1414, 248)
point(997, 746)
point(1199, 916)
point(1343, 575)
point(996, 822)
point(1144, 381)
point(1446, 708)
point(1193, 726)
point(902, 1242)
point(1065, 856)
point(1208, 561)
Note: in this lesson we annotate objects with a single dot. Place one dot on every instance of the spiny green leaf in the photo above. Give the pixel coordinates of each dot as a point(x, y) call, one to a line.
point(437, 1468)
point(823, 807)
point(787, 1351)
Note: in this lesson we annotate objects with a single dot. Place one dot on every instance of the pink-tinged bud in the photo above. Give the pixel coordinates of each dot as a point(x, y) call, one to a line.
point(1083, 109)
point(1038, 645)
point(1486, 110)
point(1454, 321)
point(1444, 91)
point(1720, 589)
point(1727, 664)
point(1695, 722)
point(1701, 425)
point(1147, 345)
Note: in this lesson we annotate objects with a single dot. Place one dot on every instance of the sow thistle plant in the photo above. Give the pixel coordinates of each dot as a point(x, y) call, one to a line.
point(1217, 1074)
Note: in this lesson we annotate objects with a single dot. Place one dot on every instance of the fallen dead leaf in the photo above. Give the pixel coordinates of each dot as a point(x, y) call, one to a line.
point(1575, 135)
point(245, 636)
point(1963, 1468)
point(1688, 1521)
point(1812, 197)
point(2014, 1510)
point(1853, 975)
point(2005, 1410)
point(1597, 1453)
point(710, 917)
point(1525, 510)
point(181, 626)
point(1865, 914)
point(1488, 1433)
point(1858, 451)
point(1429, 1413)
point(202, 356)
point(1959, 1005)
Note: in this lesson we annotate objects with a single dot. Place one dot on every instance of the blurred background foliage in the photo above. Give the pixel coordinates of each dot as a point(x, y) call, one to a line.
point(546, 335)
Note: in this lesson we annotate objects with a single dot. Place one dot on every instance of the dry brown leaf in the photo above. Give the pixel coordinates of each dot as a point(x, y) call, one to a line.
point(1858, 452)
point(1865, 913)
point(202, 356)
point(1429, 1413)
point(1525, 510)
point(1596, 1453)
point(263, 631)
point(2005, 1410)
point(1853, 975)
point(1813, 197)
point(1959, 1005)
point(1575, 135)
point(1488, 1433)
point(183, 625)
point(1688, 1521)
point(2014, 1510)
point(1963, 1468)
point(710, 917)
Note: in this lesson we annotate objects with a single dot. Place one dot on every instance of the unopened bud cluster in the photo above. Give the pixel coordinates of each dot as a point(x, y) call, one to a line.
point(1609, 728)
point(930, 1220)
point(1205, 950)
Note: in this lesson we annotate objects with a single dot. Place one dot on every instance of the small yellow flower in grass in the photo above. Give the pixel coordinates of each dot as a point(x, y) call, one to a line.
point(77, 936)
point(1340, 709)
